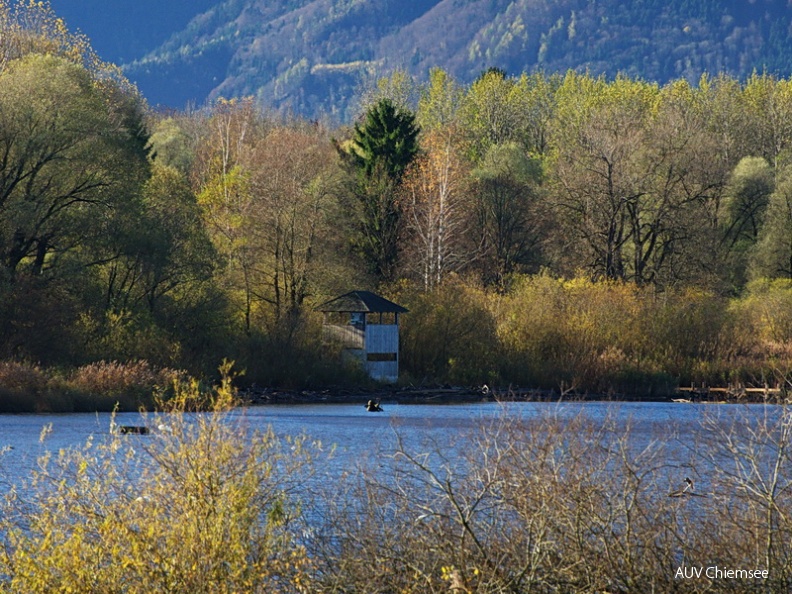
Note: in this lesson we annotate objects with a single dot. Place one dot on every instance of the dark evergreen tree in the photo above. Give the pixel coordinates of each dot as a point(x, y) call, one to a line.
point(383, 146)
point(388, 139)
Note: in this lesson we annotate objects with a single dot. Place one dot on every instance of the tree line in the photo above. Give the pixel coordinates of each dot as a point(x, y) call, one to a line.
point(184, 237)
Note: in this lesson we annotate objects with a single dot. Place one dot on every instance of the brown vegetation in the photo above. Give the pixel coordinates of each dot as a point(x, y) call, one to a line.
point(571, 505)
point(103, 385)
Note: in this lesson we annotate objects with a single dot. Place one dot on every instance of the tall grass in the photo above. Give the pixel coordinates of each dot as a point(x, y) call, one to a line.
point(26, 387)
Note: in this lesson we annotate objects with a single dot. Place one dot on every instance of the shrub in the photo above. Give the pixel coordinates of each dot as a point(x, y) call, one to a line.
point(760, 333)
point(293, 354)
point(570, 504)
point(202, 505)
point(609, 336)
point(449, 335)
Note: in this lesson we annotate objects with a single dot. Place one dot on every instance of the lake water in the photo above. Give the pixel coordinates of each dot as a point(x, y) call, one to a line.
point(358, 435)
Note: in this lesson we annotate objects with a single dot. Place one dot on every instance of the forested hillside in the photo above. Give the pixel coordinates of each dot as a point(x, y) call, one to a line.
point(124, 31)
point(313, 56)
point(557, 231)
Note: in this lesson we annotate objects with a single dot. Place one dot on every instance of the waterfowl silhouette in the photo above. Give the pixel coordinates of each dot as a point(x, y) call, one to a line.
point(372, 406)
point(687, 491)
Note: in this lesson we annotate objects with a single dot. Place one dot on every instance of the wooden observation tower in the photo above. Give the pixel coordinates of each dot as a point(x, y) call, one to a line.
point(367, 327)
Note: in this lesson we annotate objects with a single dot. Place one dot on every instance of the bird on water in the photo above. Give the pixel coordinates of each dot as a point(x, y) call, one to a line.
point(687, 491)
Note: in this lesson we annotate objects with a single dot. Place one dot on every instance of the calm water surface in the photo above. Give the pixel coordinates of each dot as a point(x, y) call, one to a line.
point(356, 434)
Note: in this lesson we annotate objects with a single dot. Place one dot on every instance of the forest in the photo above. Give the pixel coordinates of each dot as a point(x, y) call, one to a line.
point(312, 57)
point(558, 231)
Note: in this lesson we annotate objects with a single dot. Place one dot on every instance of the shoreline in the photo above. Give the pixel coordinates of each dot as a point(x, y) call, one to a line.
point(464, 395)
point(434, 395)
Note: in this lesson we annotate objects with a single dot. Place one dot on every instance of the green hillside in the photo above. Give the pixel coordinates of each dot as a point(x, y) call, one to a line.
point(311, 56)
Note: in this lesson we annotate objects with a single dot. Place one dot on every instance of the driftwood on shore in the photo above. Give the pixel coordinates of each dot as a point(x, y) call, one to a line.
point(735, 393)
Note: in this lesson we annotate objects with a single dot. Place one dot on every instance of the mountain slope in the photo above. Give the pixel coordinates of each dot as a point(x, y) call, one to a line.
point(312, 56)
point(123, 31)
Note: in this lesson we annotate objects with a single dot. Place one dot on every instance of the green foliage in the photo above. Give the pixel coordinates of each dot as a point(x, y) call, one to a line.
point(440, 101)
point(293, 354)
point(750, 186)
point(172, 243)
point(748, 194)
point(67, 160)
point(493, 112)
point(399, 88)
point(32, 27)
point(772, 255)
point(382, 148)
point(41, 319)
point(171, 145)
point(387, 139)
point(509, 215)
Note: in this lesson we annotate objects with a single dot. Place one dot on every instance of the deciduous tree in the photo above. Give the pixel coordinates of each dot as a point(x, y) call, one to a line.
point(745, 203)
point(68, 162)
point(771, 257)
point(166, 247)
point(226, 200)
point(600, 133)
point(493, 112)
point(293, 184)
point(437, 211)
point(511, 223)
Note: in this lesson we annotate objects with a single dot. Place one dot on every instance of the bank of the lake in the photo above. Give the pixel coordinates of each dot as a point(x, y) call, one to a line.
point(471, 394)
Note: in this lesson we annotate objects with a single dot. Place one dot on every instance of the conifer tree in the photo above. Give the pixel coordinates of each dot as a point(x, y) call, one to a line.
point(388, 138)
point(382, 148)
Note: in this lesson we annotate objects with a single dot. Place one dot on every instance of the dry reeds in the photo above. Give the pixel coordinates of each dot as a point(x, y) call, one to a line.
point(26, 387)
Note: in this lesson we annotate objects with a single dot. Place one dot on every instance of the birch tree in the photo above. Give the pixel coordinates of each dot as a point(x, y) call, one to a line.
point(437, 213)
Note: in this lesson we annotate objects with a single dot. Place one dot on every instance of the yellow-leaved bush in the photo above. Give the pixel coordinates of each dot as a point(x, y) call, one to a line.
point(202, 504)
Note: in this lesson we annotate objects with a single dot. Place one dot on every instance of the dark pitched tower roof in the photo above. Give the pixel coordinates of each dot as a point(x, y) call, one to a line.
point(361, 301)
